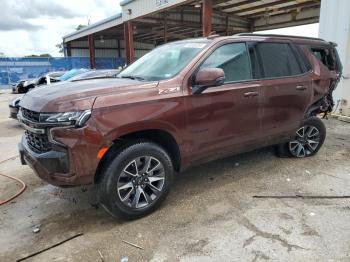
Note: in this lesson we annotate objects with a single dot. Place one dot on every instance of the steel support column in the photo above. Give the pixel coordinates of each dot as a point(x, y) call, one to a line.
point(207, 14)
point(69, 49)
point(91, 41)
point(129, 41)
point(227, 26)
point(119, 49)
point(165, 23)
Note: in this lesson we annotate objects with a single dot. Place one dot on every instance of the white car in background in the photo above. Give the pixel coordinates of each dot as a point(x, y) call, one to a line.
point(24, 86)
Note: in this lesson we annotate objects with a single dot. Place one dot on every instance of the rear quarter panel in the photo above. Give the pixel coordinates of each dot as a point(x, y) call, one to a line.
point(321, 76)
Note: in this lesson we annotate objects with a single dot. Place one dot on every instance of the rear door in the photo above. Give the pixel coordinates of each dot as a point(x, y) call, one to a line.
point(286, 88)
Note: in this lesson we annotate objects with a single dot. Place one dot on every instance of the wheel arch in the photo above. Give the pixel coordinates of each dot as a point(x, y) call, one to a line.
point(158, 136)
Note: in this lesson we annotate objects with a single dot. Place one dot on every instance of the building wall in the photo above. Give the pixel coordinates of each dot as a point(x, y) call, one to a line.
point(108, 48)
point(335, 27)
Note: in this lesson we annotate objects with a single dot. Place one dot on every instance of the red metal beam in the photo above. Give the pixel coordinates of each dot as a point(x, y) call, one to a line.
point(91, 41)
point(129, 41)
point(207, 14)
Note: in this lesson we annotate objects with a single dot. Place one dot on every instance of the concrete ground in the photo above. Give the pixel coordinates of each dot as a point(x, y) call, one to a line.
point(210, 214)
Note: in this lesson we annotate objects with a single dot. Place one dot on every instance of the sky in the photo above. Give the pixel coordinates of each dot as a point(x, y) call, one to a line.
point(37, 26)
point(303, 30)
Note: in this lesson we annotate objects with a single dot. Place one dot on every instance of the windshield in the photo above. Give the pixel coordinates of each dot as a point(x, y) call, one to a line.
point(72, 73)
point(163, 62)
point(96, 74)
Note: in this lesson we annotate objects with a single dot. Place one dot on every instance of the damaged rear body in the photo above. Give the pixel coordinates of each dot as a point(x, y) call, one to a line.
point(327, 71)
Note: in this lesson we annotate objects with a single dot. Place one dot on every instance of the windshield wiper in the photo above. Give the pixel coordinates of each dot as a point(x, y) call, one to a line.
point(140, 78)
point(94, 77)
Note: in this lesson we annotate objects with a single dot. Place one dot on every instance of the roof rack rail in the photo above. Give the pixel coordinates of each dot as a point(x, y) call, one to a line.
point(281, 36)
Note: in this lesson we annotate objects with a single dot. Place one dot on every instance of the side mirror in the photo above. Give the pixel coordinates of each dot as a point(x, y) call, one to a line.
point(208, 77)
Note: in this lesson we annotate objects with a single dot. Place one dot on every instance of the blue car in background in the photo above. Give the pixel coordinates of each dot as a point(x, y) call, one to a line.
point(72, 73)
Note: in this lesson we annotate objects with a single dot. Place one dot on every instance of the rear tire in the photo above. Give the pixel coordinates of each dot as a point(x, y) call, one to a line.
point(308, 140)
point(136, 180)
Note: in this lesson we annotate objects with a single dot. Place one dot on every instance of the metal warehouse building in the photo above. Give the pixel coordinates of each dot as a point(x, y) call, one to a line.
point(145, 24)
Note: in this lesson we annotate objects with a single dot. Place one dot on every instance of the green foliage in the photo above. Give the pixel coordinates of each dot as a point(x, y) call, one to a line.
point(60, 48)
point(80, 27)
point(41, 55)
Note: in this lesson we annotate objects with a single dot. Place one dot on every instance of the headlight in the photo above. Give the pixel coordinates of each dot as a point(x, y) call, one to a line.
point(69, 118)
point(15, 102)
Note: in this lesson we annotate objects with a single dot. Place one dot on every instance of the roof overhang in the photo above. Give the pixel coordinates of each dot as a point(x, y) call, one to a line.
point(181, 19)
point(97, 27)
point(125, 2)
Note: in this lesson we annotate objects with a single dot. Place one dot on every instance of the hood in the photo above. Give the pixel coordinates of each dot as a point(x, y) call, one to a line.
point(77, 96)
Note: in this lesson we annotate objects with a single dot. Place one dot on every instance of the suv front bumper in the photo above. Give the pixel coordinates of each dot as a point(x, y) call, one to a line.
point(13, 111)
point(52, 166)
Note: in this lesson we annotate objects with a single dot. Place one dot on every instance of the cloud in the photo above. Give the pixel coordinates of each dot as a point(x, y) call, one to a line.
point(38, 8)
point(10, 23)
point(36, 26)
point(17, 14)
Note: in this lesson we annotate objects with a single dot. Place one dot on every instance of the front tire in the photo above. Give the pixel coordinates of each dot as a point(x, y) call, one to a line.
point(308, 140)
point(136, 180)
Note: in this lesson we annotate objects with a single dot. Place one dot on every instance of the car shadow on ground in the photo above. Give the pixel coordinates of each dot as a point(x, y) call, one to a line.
point(80, 203)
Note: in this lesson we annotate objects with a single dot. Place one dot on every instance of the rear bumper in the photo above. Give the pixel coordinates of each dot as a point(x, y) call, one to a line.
point(52, 166)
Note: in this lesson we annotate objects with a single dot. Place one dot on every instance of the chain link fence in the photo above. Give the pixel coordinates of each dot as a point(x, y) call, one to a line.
point(13, 70)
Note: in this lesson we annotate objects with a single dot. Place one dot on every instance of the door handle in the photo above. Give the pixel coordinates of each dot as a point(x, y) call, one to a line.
point(300, 87)
point(251, 94)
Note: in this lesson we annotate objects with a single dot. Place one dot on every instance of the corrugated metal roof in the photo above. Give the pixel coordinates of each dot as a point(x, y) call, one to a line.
point(87, 30)
point(183, 18)
point(125, 2)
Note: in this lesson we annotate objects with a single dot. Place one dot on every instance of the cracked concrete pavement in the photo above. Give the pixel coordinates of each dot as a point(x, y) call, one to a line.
point(210, 214)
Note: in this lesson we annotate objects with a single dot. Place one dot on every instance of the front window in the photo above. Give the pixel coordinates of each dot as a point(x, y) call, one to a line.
point(163, 62)
point(233, 59)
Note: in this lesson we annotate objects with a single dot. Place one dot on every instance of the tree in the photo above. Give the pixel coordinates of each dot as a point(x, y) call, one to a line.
point(41, 55)
point(80, 27)
point(60, 48)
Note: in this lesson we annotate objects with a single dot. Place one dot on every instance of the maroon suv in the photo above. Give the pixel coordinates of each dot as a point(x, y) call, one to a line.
point(182, 104)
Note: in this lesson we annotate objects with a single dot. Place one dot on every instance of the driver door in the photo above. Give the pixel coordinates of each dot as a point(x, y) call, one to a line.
point(226, 118)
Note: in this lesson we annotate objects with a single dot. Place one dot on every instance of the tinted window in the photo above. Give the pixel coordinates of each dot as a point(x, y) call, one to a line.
point(257, 73)
point(233, 59)
point(324, 55)
point(303, 60)
point(278, 60)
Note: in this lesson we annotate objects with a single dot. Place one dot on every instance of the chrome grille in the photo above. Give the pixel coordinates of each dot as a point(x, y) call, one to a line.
point(30, 115)
point(38, 143)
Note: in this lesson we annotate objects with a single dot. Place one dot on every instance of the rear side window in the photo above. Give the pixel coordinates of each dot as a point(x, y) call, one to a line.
point(278, 60)
point(325, 56)
point(233, 59)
